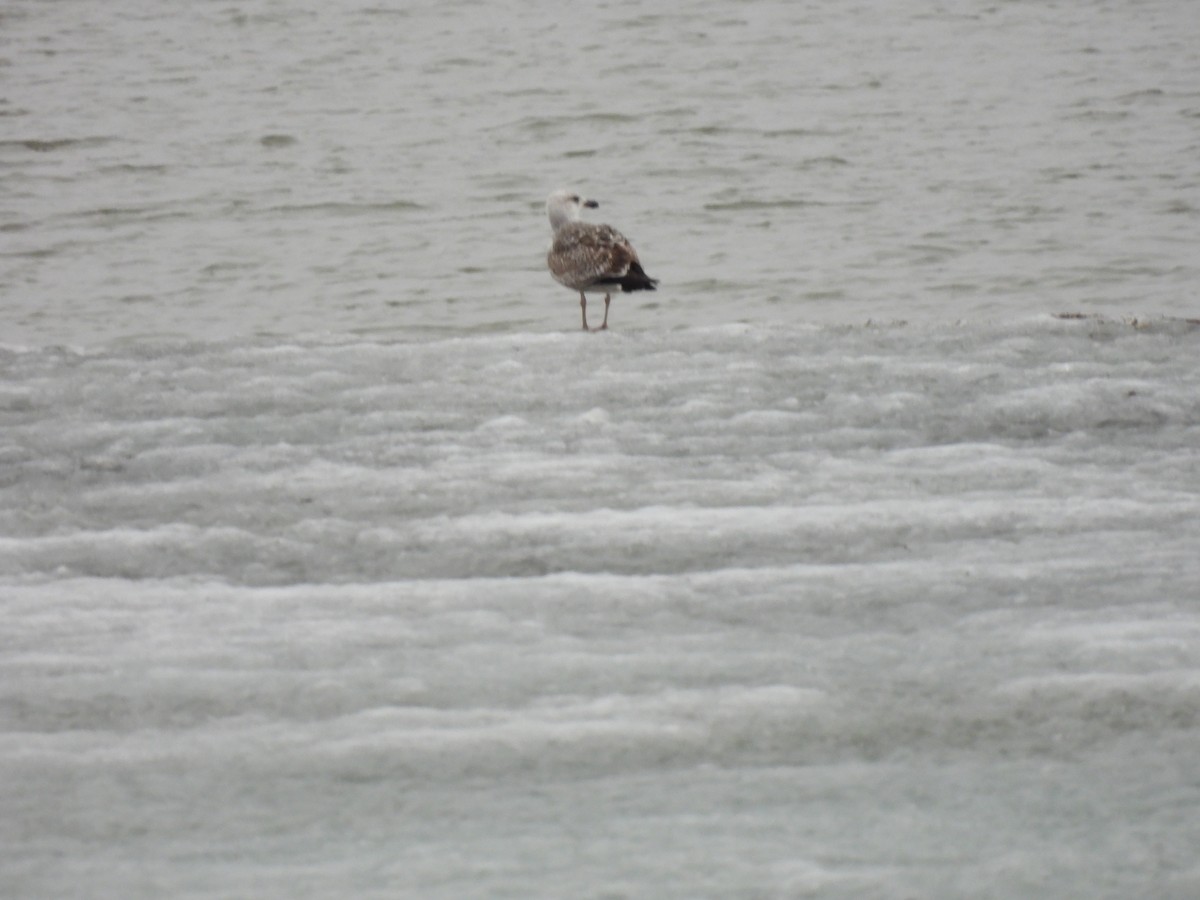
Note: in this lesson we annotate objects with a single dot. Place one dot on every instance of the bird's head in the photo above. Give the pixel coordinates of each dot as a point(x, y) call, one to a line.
point(564, 206)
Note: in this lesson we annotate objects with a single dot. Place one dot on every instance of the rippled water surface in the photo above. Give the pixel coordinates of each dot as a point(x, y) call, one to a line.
point(335, 561)
point(225, 169)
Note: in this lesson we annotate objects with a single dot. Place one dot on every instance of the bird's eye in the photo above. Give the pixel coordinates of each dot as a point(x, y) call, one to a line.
point(574, 198)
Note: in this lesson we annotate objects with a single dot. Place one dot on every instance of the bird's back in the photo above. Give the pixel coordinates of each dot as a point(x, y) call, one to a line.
point(583, 253)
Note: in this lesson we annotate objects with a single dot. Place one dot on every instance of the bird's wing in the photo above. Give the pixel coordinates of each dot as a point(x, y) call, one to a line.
point(583, 254)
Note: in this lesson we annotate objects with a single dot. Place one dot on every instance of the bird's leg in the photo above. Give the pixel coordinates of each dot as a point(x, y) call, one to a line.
point(604, 324)
point(583, 308)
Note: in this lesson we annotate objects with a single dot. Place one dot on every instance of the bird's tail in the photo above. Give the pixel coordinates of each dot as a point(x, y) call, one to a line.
point(636, 279)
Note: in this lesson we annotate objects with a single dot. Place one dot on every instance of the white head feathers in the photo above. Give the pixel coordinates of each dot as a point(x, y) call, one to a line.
point(565, 206)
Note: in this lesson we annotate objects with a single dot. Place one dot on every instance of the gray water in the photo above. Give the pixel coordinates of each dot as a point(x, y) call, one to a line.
point(335, 561)
point(236, 169)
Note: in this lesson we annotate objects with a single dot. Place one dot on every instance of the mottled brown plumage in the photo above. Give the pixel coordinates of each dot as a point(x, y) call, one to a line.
point(583, 254)
point(591, 258)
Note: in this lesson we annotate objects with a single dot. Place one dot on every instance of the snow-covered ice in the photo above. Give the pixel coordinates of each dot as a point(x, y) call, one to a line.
point(842, 611)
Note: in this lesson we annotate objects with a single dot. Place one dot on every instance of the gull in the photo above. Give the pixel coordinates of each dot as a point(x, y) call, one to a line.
point(591, 259)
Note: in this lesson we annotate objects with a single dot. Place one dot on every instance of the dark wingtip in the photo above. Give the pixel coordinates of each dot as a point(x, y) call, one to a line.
point(637, 280)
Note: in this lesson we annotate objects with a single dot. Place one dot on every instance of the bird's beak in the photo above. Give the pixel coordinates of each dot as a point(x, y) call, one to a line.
point(591, 204)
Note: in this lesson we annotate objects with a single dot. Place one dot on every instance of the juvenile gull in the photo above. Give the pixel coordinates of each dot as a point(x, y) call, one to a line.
point(591, 259)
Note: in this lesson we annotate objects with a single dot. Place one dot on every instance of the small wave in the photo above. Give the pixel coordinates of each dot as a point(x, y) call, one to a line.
point(343, 208)
point(40, 145)
point(1168, 324)
point(1142, 95)
point(135, 169)
point(750, 205)
point(547, 123)
point(272, 141)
